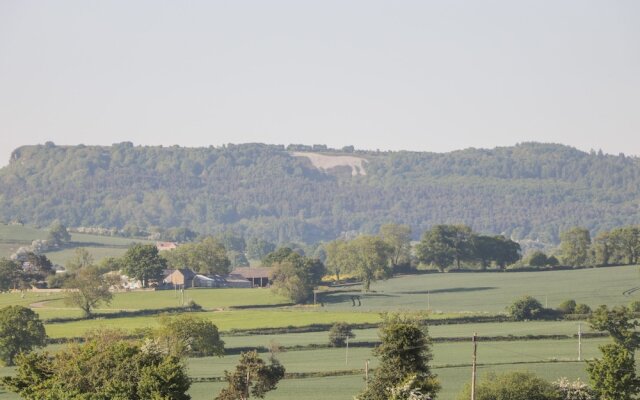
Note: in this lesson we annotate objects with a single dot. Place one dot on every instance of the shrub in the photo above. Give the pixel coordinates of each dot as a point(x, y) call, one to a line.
point(512, 386)
point(576, 390)
point(582, 309)
point(538, 259)
point(635, 306)
point(567, 307)
point(339, 333)
point(526, 308)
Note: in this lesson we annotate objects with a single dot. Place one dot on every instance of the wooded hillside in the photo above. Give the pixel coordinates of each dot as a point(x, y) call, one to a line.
point(528, 191)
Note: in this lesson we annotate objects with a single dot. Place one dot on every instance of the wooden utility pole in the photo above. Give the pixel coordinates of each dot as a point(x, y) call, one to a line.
point(366, 372)
point(346, 354)
point(579, 342)
point(473, 370)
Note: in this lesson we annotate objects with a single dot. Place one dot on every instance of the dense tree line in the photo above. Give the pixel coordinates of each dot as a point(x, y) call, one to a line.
point(531, 190)
point(616, 247)
point(447, 245)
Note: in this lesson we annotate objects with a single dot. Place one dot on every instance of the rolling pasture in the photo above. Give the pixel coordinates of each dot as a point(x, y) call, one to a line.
point(13, 237)
point(515, 345)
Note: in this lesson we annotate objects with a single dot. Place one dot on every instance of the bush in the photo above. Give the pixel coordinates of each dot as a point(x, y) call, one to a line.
point(526, 308)
point(635, 306)
point(576, 390)
point(567, 307)
point(582, 309)
point(339, 333)
point(537, 259)
point(512, 386)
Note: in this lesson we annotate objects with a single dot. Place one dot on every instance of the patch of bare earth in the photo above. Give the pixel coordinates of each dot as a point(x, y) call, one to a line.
point(324, 162)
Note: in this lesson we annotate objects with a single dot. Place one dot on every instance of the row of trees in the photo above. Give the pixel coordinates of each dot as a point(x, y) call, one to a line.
point(618, 246)
point(447, 245)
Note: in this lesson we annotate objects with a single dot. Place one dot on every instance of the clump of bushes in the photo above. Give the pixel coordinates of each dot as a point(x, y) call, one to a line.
point(339, 333)
point(571, 307)
point(635, 306)
point(528, 308)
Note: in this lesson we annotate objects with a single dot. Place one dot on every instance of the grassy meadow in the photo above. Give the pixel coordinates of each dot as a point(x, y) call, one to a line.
point(14, 236)
point(513, 346)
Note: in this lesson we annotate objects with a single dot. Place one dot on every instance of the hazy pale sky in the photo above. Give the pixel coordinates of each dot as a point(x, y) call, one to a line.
point(415, 75)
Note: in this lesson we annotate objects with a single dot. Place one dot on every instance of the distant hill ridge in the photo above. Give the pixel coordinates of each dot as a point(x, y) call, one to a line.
point(528, 191)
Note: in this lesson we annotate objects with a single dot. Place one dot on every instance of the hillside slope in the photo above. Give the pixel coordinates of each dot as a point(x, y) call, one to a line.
point(530, 191)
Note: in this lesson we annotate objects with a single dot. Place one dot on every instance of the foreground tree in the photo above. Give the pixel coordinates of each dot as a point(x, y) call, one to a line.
point(104, 367)
point(252, 377)
point(187, 335)
point(143, 262)
point(88, 288)
point(20, 331)
point(512, 386)
point(614, 375)
point(404, 356)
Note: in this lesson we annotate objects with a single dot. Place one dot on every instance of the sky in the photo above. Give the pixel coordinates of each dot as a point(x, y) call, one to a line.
point(389, 75)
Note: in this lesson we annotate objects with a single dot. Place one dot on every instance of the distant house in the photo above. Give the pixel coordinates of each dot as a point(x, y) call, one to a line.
point(257, 276)
point(182, 278)
point(161, 246)
point(186, 278)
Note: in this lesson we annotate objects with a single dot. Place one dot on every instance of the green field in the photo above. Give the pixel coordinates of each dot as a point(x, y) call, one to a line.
point(449, 295)
point(14, 236)
point(492, 292)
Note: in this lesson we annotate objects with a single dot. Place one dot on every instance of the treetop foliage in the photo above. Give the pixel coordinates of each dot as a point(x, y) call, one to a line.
point(529, 191)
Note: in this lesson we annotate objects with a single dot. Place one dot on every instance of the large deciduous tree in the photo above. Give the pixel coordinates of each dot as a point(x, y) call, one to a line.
point(11, 275)
point(626, 243)
point(207, 256)
point(295, 276)
point(436, 248)
point(88, 288)
point(404, 354)
point(337, 257)
point(398, 237)
point(20, 331)
point(143, 262)
point(574, 246)
point(369, 258)
point(58, 234)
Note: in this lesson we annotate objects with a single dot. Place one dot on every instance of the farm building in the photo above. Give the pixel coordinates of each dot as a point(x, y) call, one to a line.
point(237, 281)
point(259, 277)
point(186, 278)
point(161, 246)
point(182, 277)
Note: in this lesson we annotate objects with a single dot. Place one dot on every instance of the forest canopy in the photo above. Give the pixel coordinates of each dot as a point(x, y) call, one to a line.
point(528, 191)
